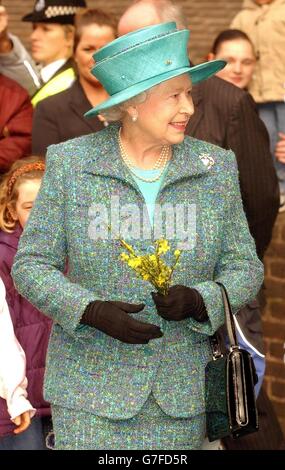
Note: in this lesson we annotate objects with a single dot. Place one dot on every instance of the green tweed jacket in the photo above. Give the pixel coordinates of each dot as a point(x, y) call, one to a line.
point(86, 185)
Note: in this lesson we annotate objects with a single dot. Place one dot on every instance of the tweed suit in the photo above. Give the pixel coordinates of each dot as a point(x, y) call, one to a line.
point(86, 369)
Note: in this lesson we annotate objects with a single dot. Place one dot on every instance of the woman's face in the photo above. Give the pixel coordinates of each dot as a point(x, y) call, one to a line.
point(93, 37)
point(240, 59)
point(50, 42)
point(163, 117)
point(27, 193)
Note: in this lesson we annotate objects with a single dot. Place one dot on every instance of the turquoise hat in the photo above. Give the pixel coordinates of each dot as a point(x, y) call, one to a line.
point(139, 60)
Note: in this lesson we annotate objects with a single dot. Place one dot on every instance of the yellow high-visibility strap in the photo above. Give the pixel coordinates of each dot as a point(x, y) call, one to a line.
point(59, 83)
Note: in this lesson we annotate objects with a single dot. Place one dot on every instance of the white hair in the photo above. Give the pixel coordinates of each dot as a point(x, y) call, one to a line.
point(118, 112)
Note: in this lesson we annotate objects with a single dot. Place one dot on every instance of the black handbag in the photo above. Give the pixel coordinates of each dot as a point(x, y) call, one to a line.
point(230, 379)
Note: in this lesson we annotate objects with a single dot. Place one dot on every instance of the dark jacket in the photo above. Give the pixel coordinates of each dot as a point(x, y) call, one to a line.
point(32, 330)
point(16, 114)
point(226, 116)
point(61, 117)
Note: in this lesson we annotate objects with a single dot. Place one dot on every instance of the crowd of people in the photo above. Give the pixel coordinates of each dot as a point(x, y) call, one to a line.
point(107, 113)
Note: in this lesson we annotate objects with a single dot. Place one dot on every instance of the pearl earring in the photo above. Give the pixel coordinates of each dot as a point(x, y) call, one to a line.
point(135, 118)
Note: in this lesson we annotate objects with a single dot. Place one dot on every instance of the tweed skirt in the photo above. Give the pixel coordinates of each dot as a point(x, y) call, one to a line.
point(150, 429)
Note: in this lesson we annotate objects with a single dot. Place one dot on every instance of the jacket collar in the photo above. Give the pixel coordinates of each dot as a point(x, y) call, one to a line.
point(79, 104)
point(11, 238)
point(187, 161)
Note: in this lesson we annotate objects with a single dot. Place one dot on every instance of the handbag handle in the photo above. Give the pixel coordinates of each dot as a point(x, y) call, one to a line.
point(230, 325)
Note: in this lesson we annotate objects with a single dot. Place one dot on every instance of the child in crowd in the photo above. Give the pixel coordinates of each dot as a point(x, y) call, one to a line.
point(18, 192)
point(13, 383)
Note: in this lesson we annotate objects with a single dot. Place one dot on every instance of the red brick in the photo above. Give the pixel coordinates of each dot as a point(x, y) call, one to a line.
point(277, 269)
point(275, 288)
point(266, 312)
point(277, 310)
point(279, 408)
point(283, 233)
point(276, 249)
point(274, 330)
point(278, 389)
point(276, 350)
point(275, 369)
point(276, 232)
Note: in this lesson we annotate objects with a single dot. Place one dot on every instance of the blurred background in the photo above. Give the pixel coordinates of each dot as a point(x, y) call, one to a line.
point(206, 19)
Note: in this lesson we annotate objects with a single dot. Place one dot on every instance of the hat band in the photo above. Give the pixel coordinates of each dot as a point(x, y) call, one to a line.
point(52, 12)
point(142, 62)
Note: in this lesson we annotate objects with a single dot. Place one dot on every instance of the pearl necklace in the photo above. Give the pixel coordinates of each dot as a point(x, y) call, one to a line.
point(160, 162)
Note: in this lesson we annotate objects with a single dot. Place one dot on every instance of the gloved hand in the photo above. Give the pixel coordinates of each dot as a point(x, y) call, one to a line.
point(181, 302)
point(112, 318)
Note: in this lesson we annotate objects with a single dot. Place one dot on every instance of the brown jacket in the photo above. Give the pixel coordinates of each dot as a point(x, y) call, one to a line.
point(15, 123)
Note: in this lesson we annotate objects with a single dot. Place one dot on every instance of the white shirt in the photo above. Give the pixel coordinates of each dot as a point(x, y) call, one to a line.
point(49, 70)
point(13, 381)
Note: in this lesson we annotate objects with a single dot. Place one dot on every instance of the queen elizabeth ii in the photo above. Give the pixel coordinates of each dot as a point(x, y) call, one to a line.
point(126, 367)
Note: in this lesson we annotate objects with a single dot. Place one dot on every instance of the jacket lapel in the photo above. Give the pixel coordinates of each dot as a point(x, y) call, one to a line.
point(79, 105)
point(187, 162)
point(108, 161)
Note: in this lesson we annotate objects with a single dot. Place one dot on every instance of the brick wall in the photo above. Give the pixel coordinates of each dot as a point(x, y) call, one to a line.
point(274, 319)
point(206, 18)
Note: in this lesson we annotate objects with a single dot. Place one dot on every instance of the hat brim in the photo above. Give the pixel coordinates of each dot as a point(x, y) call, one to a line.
point(38, 17)
point(197, 74)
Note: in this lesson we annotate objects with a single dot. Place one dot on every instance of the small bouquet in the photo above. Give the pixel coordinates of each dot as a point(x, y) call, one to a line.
point(152, 267)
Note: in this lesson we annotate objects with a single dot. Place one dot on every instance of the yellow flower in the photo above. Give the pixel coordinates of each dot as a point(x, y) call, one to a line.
point(152, 267)
point(134, 262)
point(161, 280)
point(162, 246)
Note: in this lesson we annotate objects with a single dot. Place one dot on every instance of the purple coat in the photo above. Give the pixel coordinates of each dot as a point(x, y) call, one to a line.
point(32, 330)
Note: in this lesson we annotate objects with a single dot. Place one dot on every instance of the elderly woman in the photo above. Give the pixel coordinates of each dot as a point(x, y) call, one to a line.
point(126, 369)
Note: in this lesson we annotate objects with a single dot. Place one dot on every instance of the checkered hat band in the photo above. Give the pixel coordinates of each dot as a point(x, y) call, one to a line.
point(52, 12)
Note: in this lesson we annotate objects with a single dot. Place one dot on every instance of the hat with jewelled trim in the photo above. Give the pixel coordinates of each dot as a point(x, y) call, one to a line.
point(55, 11)
point(137, 61)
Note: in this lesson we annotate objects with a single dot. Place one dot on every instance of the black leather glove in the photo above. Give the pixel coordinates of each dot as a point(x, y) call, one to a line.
point(181, 302)
point(112, 318)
